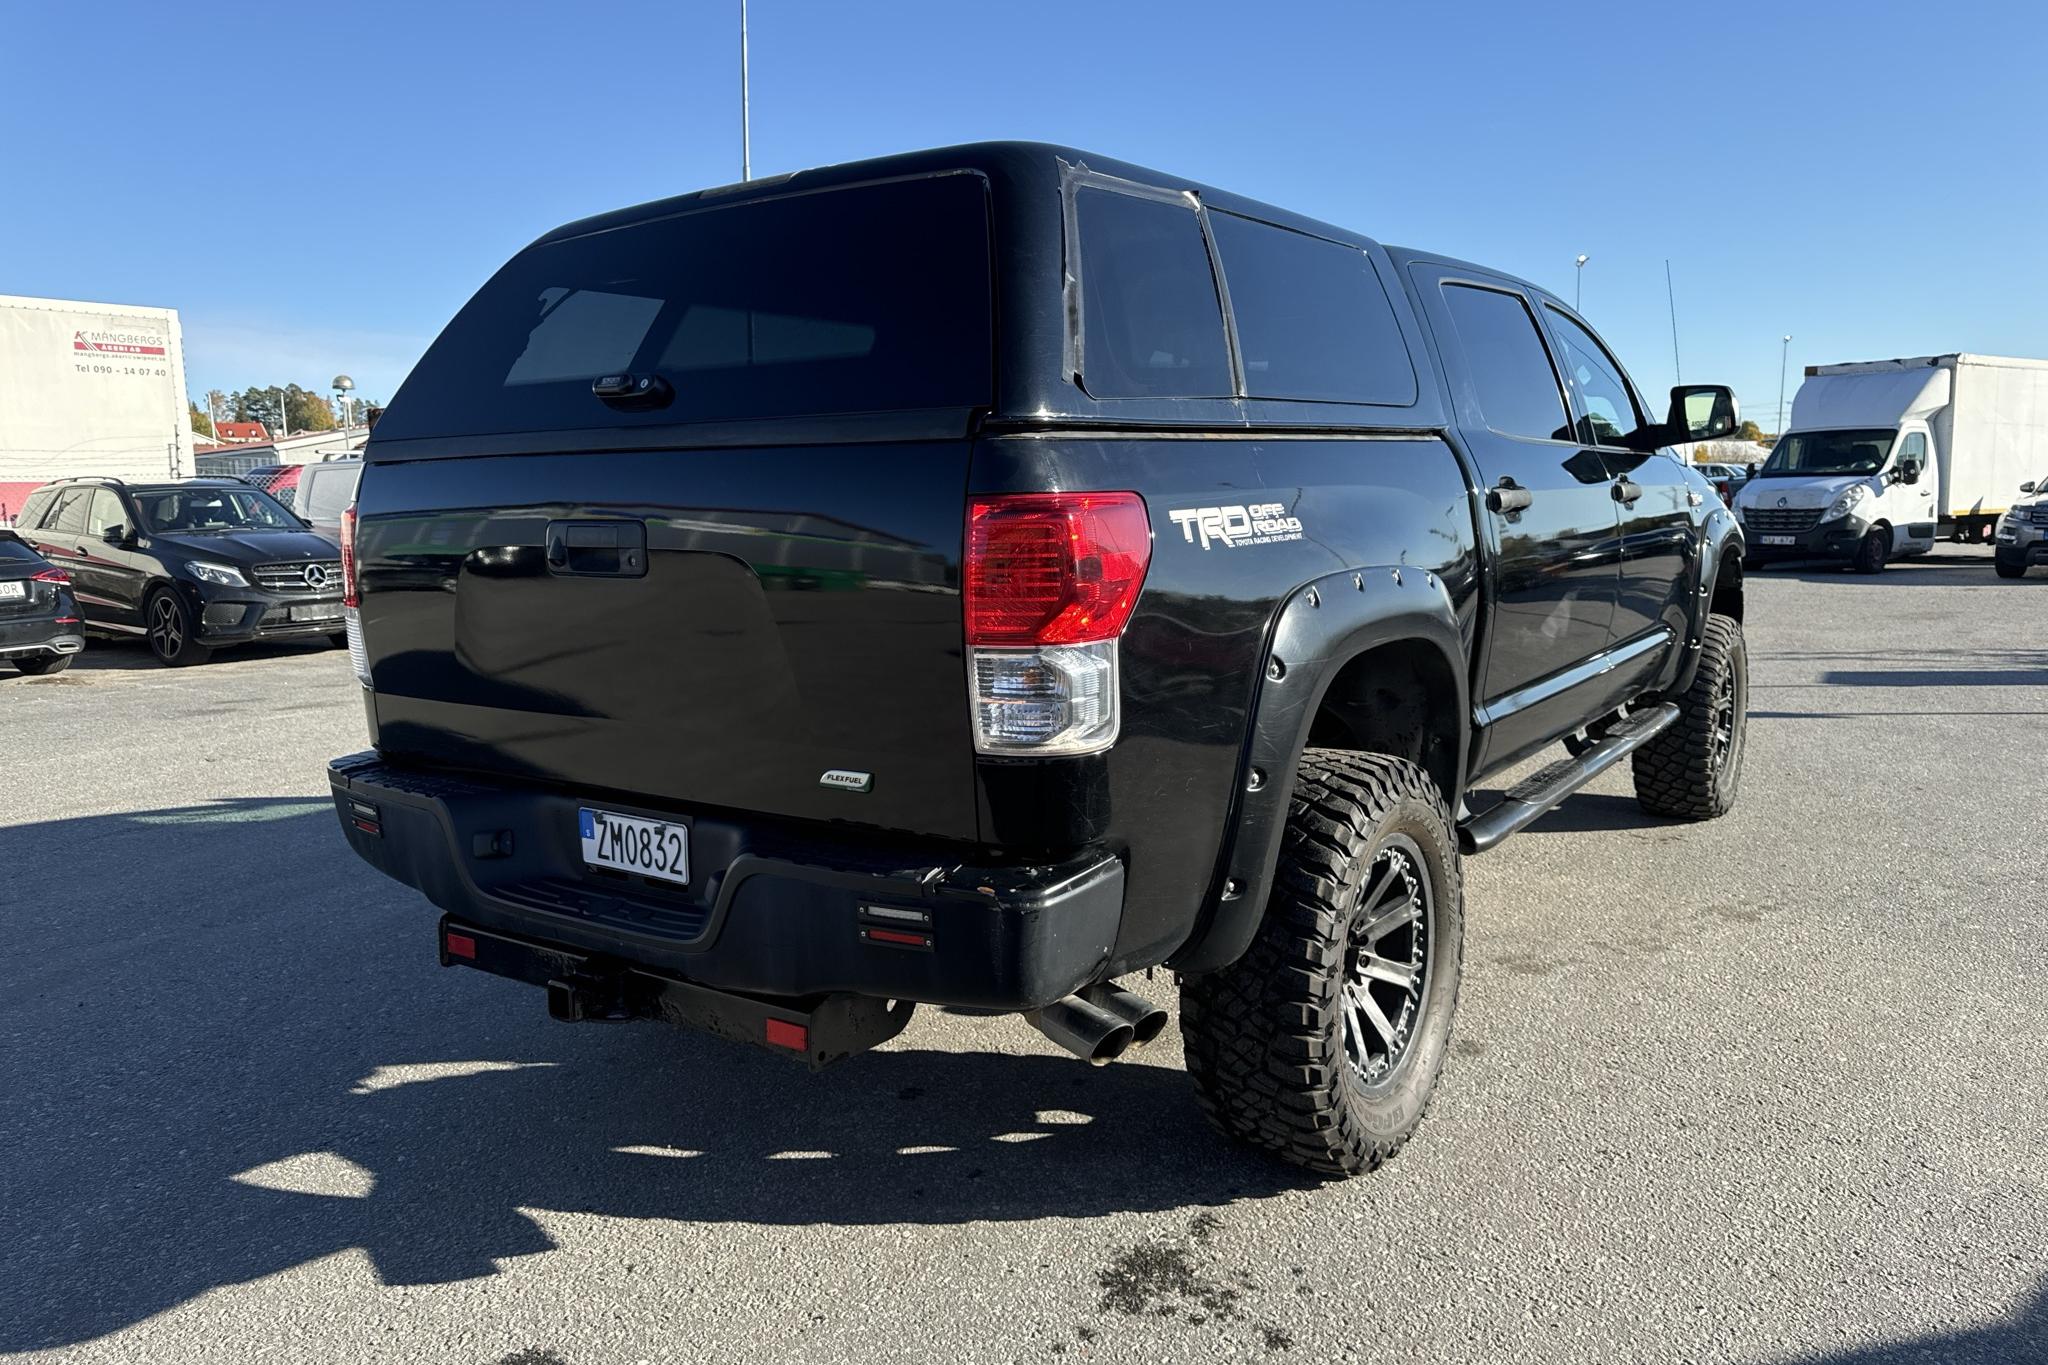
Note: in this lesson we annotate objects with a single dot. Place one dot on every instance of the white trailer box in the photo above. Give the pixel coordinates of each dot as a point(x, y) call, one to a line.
point(1883, 455)
point(90, 388)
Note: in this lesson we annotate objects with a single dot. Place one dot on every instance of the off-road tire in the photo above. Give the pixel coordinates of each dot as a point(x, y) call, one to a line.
point(2007, 568)
point(1872, 551)
point(1266, 1039)
point(42, 665)
point(1693, 770)
point(173, 638)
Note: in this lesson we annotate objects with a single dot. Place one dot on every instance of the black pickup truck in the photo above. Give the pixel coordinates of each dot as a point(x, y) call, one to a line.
point(975, 576)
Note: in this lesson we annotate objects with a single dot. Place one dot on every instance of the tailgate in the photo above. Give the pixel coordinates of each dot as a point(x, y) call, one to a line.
point(797, 613)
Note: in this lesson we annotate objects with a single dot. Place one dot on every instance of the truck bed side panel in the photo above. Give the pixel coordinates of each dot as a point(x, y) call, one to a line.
point(1195, 651)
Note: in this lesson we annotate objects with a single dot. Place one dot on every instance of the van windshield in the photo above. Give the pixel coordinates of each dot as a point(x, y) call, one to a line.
point(1829, 452)
point(869, 298)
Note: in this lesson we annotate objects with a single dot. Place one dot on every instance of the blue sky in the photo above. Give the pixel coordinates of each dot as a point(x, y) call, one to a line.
point(1870, 177)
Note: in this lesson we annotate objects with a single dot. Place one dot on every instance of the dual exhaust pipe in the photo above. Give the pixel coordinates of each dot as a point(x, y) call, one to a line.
point(1099, 1023)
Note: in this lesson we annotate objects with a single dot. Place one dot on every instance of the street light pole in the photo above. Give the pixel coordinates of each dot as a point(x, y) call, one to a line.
point(1784, 350)
point(746, 131)
point(1578, 280)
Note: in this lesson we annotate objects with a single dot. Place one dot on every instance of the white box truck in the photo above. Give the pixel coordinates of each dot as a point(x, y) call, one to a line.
point(89, 388)
point(1883, 456)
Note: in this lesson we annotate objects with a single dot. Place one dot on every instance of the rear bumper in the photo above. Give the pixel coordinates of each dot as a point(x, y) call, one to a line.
point(38, 636)
point(771, 911)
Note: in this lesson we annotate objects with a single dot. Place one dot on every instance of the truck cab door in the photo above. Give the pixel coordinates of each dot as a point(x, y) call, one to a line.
point(1548, 522)
point(1909, 502)
point(1659, 517)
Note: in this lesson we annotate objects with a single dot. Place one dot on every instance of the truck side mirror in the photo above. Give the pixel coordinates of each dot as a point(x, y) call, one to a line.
point(1753, 468)
point(116, 535)
point(1702, 412)
point(2027, 487)
point(1909, 473)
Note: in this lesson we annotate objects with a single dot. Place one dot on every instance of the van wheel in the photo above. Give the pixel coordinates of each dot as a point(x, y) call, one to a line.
point(1323, 1042)
point(1873, 552)
point(172, 636)
point(43, 664)
point(2010, 568)
point(1692, 770)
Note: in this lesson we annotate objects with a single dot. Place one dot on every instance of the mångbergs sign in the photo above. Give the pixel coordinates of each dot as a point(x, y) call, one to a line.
point(100, 342)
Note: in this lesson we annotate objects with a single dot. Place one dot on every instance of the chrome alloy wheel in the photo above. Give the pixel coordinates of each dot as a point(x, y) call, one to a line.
point(1386, 964)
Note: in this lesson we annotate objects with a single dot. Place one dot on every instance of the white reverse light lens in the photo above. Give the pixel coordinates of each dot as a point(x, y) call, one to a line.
point(227, 575)
point(1056, 699)
point(358, 657)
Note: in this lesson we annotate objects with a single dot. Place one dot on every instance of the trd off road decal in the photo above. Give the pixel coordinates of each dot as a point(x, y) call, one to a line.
point(1262, 523)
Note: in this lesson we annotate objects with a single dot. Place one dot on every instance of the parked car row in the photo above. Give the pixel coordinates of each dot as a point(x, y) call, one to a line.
point(189, 565)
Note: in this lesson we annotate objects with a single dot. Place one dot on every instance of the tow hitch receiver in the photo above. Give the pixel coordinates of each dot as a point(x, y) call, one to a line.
point(580, 987)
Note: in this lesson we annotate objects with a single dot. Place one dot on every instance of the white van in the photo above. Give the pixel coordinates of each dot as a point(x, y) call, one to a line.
point(1882, 457)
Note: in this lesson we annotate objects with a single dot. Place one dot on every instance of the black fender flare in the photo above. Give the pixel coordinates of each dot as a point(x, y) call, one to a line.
point(1721, 531)
point(1323, 625)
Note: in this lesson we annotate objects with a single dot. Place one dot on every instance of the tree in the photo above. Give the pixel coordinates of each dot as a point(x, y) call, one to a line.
point(201, 423)
point(309, 411)
point(306, 409)
point(1749, 431)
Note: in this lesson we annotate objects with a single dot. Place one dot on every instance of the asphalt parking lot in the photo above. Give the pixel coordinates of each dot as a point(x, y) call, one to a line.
point(1769, 1089)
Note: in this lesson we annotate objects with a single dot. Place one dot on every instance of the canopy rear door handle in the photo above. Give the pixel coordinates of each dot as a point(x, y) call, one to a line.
point(1627, 490)
point(598, 549)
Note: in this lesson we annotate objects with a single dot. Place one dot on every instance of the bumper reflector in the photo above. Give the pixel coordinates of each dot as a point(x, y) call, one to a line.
point(781, 1033)
point(461, 945)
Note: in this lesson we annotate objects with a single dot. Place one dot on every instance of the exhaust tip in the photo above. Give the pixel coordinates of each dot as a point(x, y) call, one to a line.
point(1114, 1044)
point(1084, 1028)
point(1146, 1019)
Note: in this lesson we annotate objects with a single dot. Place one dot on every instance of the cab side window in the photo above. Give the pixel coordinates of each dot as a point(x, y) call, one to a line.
point(1913, 451)
point(1610, 408)
point(105, 514)
point(1510, 369)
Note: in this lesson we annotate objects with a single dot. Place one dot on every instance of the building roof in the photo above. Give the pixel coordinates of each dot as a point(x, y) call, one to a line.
point(242, 431)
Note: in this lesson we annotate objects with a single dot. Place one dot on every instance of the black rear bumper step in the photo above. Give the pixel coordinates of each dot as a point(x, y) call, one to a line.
point(1544, 789)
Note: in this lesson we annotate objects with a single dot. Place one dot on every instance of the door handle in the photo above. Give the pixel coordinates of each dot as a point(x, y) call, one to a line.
point(1627, 490)
point(1507, 498)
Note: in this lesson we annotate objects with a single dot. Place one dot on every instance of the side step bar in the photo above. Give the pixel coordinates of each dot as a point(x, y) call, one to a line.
point(1542, 790)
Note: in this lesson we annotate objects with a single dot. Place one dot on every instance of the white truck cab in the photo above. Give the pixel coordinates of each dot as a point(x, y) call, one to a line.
point(1883, 456)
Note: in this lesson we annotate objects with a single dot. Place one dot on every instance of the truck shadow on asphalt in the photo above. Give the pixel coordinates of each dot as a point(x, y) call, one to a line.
point(220, 1069)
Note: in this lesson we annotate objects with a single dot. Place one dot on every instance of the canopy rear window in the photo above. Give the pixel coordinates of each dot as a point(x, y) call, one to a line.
point(872, 298)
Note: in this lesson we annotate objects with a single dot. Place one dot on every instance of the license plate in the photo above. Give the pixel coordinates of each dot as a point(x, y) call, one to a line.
point(628, 843)
point(317, 611)
point(1777, 540)
point(13, 591)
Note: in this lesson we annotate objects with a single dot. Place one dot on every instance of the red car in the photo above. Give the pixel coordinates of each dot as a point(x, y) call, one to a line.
point(281, 481)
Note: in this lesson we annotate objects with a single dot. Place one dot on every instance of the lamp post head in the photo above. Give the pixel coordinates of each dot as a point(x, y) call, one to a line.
point(1788, 338)
point(343, 384)
point(1583, 259)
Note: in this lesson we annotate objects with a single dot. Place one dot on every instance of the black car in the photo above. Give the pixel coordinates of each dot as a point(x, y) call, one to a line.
point(39, 625)
point(977, 576)
point(193, 565)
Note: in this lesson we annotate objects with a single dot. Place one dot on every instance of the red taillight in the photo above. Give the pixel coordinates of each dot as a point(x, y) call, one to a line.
point(351, 591)
point(50, 576)
point(780, 1033)
point(1054, 568)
